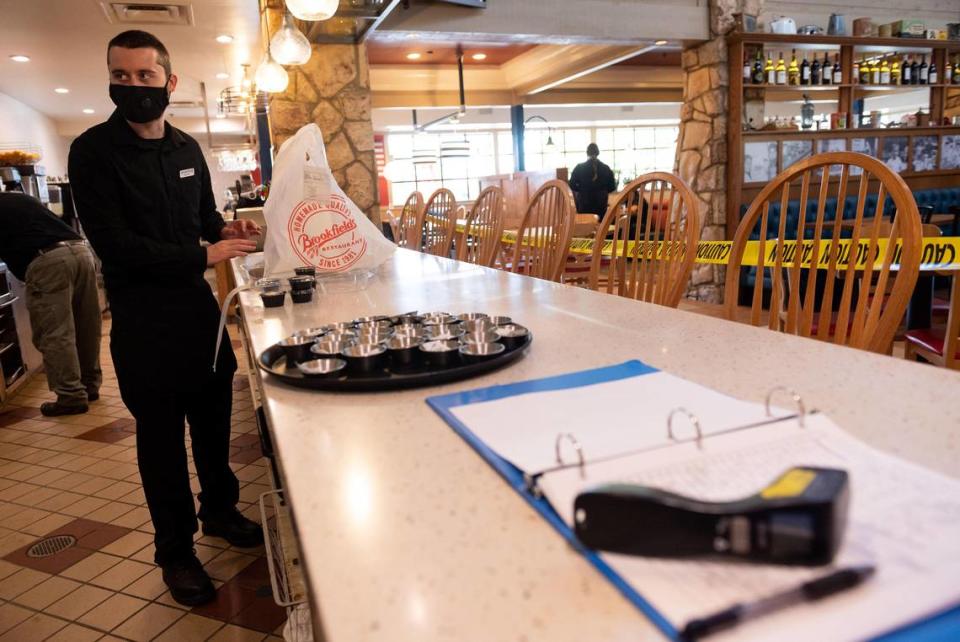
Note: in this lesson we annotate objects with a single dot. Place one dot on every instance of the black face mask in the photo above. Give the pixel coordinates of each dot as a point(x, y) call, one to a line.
point(140, 104)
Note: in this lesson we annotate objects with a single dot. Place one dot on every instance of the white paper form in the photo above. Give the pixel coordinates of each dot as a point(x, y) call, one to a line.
point(904, 519)
point(606, 419)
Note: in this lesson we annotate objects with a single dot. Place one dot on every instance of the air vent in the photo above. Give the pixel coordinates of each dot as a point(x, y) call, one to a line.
point(51, 546)
point(134, 13)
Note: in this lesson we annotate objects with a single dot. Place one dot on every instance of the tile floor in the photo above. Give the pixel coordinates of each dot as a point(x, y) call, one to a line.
point(76, 477)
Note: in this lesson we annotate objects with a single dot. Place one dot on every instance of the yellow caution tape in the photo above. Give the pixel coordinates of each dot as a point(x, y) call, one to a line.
point(939, 253)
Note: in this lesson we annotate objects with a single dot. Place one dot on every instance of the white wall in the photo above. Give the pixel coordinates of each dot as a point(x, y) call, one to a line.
point(20, 123)
point(935, 13)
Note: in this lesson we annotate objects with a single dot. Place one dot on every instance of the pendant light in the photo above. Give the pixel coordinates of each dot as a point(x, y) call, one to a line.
point(313, 9)
point(271, 77)
point(288, 46)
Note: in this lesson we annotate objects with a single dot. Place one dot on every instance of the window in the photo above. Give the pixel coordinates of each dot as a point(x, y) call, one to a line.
point(629, 150)
point(458, 174)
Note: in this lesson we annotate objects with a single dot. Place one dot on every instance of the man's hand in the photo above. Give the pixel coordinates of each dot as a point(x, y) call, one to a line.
point(240, 229)
point(229, 249)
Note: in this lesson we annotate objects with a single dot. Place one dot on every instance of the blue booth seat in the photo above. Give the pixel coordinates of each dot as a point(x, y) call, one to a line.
point(940, 200)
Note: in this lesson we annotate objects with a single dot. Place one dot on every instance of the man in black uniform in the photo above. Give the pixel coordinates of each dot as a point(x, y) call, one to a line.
point(57, 268)
point(591, 183)
point(142, 191)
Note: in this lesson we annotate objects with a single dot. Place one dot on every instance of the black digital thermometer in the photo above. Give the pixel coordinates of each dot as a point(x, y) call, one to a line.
point(797, 519)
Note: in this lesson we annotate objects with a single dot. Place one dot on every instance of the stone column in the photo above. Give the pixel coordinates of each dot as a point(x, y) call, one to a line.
point(333, 90)
point(702, 143)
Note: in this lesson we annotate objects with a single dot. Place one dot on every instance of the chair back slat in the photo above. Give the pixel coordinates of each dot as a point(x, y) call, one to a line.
point(654, 247)
point(479, 242)
point(872, 299)
point(410, 217)
point(438, 223)
point(543, 240)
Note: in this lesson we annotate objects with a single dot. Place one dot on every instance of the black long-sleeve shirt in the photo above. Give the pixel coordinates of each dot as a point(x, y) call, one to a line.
point(26, 227)
point(591, 182)
point(144, 205)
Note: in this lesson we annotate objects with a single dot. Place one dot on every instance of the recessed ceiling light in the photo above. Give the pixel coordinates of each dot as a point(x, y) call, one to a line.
point(413, 55)
point(479, 56)
point(223, 75)
point(88, 111)
point(660, 43)
point(62, 90)
point(20, 58)
point(224, 39)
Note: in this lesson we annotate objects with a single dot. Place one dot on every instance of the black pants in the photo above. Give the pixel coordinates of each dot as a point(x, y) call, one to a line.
point(165, 375)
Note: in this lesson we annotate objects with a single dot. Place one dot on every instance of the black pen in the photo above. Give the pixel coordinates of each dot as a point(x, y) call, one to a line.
point(811, 591)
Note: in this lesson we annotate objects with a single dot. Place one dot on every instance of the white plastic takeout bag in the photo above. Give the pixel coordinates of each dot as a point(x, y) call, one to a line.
point(310, 221)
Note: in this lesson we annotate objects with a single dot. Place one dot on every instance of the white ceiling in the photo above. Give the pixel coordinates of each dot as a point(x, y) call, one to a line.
point(66, 41)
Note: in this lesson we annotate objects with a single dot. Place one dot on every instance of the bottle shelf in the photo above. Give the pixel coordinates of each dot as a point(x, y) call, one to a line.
point(855, 132)
point(854, 85)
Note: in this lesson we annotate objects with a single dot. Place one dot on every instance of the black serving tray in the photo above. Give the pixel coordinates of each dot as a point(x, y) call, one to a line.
point(274, 361)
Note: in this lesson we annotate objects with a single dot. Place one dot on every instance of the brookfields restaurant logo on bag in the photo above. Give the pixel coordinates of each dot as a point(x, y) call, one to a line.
point(324, 234)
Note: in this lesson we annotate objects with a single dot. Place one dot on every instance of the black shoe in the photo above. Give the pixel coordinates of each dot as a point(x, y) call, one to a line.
point(235, 528)
point(56, 409)
point(189, 584)
point(92, 396)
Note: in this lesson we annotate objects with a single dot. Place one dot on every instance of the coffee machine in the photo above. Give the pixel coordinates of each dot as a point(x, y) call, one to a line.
point(33, 180)
point(29, 179)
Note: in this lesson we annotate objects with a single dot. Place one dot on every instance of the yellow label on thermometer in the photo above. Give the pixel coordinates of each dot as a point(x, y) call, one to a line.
point(792, 484)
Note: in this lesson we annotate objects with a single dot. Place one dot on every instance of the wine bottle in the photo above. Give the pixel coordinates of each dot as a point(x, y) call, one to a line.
point(874, 72)
point(895, 70)
point(805, 71)
point(948, 73)
point(932, 75)
point(914, 71)
point(814, 71)
point(924, 70)
point(864, 72)
point(906, 77)
point(758, 70)
point(884, 72)
point(793, 71)
point(781, 70)
point(837, 73)
point(747, 70)
point(770, 71)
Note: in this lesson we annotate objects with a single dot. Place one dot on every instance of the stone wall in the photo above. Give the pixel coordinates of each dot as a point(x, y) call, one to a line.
point(333, 90)
point(702, 144)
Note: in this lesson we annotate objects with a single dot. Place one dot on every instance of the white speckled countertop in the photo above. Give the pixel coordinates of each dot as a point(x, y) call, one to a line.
point(407, 534)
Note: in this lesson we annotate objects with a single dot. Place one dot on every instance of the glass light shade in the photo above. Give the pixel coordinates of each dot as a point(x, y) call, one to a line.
point(313, 9)
point(288, 46)
point(270, 76)
point(550, 146)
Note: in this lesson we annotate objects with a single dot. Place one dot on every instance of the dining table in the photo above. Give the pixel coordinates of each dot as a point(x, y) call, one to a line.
point(405, 533)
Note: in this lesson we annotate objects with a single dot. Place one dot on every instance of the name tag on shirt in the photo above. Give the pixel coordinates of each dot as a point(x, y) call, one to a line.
point(186, 173)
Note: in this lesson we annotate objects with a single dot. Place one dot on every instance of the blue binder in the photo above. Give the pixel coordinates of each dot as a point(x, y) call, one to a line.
point(941, 627)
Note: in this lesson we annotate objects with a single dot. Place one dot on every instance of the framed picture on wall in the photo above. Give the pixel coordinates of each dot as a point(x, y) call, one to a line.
point(924, 153)
point(832, 145)
point(794, 151)
point(950, 152)
point(759, 161)
point(894, 153)
point(866, 146)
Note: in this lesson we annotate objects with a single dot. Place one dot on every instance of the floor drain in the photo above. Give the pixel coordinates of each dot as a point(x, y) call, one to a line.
point(51, 546)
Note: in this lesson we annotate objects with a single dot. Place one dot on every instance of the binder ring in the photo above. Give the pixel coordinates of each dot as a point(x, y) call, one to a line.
point(797, 399)
point(693, 420)
point(576, 445)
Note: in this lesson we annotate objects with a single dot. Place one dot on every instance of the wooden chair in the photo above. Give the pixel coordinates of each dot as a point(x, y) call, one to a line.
point(480, 240)
point(438, 223)
point(861, 319)
point(939, 346)
point(543, 240)
point(407, 227)
point(634, 270)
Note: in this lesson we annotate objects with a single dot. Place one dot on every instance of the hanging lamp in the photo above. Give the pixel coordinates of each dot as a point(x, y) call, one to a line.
point(288, 46)
point(313, 10)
